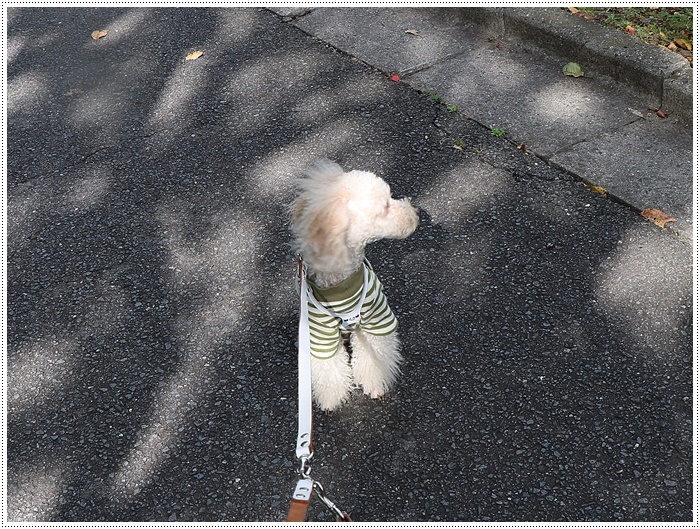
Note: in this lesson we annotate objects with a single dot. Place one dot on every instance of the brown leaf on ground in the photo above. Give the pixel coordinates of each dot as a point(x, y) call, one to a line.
point(682, 43)
point(597, 189)
point(97, 35)
point(580, 13)
point(194, 55)
point(658, 217)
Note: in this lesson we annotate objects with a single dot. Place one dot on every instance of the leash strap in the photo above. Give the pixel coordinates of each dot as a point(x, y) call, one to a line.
point(306, 486)
point(304, 452)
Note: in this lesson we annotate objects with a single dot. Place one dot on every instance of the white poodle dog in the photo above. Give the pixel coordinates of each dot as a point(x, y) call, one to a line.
point(335, 215)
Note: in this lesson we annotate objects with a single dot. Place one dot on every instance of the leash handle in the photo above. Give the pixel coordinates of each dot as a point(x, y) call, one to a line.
point(300, 500)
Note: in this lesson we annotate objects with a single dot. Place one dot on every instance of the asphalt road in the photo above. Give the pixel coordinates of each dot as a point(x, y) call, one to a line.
point(151, 312)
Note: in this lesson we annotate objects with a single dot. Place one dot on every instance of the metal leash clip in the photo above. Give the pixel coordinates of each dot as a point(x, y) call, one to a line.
point(305, 466)
point(340, 515)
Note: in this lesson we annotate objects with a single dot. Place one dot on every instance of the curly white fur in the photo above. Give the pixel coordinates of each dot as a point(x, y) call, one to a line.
point(335, 215)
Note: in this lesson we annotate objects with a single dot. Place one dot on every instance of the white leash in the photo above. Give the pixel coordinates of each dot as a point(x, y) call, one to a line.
point(304, 452)
point(306, 486)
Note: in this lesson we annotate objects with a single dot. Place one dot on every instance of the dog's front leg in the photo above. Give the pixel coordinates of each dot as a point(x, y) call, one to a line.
point(375, 361)
point(331, 379)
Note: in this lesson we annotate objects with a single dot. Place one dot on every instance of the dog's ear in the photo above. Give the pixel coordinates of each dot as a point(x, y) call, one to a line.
point(327, 235)
point(296, 209)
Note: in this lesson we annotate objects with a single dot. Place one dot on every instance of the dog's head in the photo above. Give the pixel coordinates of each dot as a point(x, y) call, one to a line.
point(336, 214)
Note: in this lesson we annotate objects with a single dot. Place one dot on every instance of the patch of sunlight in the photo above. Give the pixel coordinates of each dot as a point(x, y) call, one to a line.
point(559, 103)
point(635, 288)
point(38, 371)
point(34, 493)
point(14, 46)
point(25, 92)
point(235, 25)
point(275, 173)
point(124, 26)
point(219, 262)
point(220, 254)
point(23, 207)
point(180, 90)
point(89, 190)
point(170, 411)
point(461, 191)
point(30, 200)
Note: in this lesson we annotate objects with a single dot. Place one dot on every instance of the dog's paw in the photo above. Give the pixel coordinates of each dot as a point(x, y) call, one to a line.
point(374, 393)
point(329, 404)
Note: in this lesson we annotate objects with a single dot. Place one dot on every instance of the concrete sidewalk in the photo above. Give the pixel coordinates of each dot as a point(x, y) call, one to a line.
point(502, 67)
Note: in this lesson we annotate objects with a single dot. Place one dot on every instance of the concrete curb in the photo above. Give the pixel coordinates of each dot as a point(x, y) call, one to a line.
point(663, 79)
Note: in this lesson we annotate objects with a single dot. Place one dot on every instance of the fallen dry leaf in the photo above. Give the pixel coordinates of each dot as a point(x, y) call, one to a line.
point(661, 113)
point(97, 35)
point(523, 148)
point(574, 10)
point(597, 189)
point(194, 55)
point(586, 16)
point(682, 43)
point(395, 77)
point(658, 217)
point(630, 30)
point(413, 32)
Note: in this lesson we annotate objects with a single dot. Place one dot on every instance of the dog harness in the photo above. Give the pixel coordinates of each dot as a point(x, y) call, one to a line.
point(357, 301)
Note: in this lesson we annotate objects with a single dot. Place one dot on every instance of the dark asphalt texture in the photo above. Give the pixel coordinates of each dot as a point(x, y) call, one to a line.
point(151, 313)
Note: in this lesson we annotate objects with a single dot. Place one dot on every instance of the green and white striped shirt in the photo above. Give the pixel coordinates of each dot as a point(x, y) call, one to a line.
point(326, 328)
